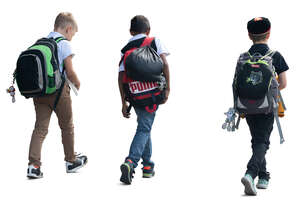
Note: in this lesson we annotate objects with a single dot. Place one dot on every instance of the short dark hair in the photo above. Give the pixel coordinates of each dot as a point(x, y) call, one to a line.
point(259, 25)
point(139, 24)
point(258, 37)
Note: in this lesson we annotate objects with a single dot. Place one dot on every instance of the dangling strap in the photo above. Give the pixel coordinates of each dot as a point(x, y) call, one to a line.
point(279, 127)
point(281, 100)
point(238, 122)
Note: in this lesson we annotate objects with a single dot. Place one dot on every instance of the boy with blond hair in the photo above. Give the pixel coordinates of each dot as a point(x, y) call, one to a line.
point(65, 28)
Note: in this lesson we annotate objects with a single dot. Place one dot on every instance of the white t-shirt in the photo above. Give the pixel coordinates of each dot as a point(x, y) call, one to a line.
point(64, 49)
point(161, 49)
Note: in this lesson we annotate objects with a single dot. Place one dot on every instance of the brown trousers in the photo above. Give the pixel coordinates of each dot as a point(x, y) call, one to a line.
point(44, 108)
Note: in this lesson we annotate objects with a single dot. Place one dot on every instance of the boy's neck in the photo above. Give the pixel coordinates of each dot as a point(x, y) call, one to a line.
point(139, 34)
point(60, 31)
point(135, 33)
point(261, 42)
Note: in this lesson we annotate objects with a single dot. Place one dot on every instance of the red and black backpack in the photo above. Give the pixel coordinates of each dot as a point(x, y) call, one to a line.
point(143, 81)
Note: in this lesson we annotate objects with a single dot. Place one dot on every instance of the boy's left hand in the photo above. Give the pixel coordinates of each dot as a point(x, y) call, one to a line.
point(124, 111)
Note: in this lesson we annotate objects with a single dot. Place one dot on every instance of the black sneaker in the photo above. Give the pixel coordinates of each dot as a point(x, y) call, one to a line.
point(80, 161)
point(127, 172)
point(34, 172)
point(148, 172)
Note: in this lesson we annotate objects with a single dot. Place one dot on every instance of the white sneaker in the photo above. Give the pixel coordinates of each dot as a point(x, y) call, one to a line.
point(80, 161)
point(34, 172)
point(248, 182)
point(262, 184)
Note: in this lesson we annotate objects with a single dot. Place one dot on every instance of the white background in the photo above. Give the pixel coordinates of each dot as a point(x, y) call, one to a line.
point(196, 161)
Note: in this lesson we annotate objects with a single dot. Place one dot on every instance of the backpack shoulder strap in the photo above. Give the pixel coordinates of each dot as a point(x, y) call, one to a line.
point(270, 53)
point(147, 42)
point(133, 44)
point(245, 55)
point(150, 42)
point(58, 39)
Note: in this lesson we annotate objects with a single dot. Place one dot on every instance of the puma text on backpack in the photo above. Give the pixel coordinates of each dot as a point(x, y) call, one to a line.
point(143, 80)
point(37, 73)
point(255, 87)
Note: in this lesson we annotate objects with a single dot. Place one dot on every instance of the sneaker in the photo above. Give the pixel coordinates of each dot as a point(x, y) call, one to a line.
point(127, 172)
point(248, 182)
point(148, 172)
point(34, 172)
point(262, 184)
point(79, 162)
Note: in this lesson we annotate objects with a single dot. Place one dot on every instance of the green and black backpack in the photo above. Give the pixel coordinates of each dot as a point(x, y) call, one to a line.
point(255, 88)
point(37, 73)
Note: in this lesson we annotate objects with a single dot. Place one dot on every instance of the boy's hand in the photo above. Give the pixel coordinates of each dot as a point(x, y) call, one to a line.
point(72, 76)
point(124, 111)
point(167, 93)
point(167, 75)
point(77, 85)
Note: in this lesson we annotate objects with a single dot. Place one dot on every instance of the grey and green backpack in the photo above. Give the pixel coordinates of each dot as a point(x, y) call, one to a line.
point(37, 73)
point(255, 87)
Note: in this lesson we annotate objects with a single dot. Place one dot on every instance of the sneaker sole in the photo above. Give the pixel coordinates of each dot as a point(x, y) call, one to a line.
point(79, 167)
point(32, 176)
point(145, 175)
point(261, 187)
point(125, 177)
point(248, 187)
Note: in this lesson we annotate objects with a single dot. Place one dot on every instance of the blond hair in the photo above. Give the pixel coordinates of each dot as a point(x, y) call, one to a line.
point(65, 19)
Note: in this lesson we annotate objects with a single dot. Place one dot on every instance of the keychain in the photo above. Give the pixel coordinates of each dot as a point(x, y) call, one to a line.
point(230, 120)
point(12, 91)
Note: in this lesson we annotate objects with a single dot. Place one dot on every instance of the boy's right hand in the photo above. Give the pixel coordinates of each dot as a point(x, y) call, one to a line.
point(124, 111)
point(72, 76)
point(77, 85)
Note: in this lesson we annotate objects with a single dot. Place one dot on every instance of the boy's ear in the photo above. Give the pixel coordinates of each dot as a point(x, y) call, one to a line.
point(249, 35)
point(148, 32)
point(132, 33)
point(69, 28)
point(268, 35)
